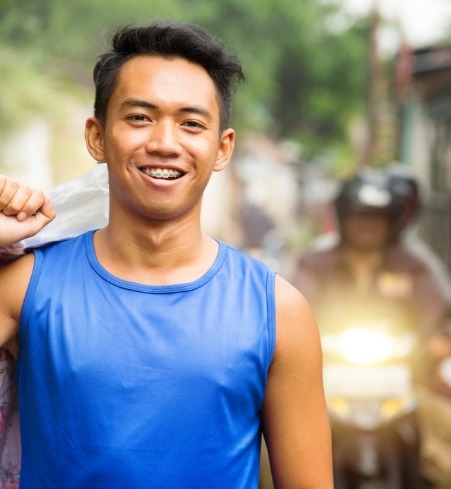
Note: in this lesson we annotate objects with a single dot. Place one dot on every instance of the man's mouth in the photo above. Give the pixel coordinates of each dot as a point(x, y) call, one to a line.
point(164, 173)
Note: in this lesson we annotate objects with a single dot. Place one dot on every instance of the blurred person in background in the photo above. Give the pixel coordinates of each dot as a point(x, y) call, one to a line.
point(368, 264)
point(405, 186)
point(366, 269)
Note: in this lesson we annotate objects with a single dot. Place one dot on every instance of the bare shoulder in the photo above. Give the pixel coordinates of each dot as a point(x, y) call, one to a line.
point(288, 295)
point(18, 267)
point(14, 279)
point(294, 317)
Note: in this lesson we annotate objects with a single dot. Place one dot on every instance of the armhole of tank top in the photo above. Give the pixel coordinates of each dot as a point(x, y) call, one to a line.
point(271, 307)
point(29, 297)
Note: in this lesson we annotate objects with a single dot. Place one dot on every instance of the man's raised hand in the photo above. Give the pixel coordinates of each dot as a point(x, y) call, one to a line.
point(23, 211)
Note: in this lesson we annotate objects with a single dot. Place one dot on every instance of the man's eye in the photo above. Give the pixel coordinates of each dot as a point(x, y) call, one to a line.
point(138, 117)
point(194, 124)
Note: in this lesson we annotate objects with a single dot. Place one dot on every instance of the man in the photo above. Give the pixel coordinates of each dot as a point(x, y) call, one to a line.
point(151, 355)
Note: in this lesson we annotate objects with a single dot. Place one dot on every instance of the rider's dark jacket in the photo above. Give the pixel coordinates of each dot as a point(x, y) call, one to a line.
point(401, 289)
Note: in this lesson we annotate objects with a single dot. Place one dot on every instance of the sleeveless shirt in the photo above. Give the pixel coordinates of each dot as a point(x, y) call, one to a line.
point(152, 387)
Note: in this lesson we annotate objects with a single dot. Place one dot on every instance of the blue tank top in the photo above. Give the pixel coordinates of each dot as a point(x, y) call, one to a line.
point(149, 387)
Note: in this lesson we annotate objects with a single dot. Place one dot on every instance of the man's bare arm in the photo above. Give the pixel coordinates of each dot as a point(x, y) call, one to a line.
point(23, 212)
point(295, 420)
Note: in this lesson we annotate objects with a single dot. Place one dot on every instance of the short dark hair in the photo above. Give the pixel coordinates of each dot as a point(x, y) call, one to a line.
point(169, 39)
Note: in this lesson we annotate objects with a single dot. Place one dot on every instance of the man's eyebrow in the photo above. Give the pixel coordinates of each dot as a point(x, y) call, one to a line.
point(197, 109)
point(190, 109)
point(132, 102)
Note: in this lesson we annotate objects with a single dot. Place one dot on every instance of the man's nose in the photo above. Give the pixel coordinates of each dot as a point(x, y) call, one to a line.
point(163, 139)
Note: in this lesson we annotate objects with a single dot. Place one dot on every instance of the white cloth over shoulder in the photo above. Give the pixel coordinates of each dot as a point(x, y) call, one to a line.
point(81, 205)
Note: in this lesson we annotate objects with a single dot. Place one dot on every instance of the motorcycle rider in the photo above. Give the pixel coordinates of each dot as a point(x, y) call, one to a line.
point(369, 270)
point(368, 266)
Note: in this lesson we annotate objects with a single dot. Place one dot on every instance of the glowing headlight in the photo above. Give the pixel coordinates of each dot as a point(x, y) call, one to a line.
point(365, 346)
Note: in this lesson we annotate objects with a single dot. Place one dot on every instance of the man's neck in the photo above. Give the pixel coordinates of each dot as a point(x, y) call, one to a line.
point(155, 255)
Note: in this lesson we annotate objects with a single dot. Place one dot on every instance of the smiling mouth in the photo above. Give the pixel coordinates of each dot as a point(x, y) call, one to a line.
point(164, 173)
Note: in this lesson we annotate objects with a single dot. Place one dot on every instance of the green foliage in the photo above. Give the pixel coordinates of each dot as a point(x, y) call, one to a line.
point(320, 86)
point(20, 99)
point(304, 79)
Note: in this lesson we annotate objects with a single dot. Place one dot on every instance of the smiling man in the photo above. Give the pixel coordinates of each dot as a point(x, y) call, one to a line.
point(151, 355)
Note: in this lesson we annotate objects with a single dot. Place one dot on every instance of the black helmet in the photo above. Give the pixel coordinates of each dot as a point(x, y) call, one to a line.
point(404, 184)
point(368, 191)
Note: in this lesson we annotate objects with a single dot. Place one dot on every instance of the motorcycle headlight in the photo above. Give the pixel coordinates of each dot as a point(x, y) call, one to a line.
point(366, 346)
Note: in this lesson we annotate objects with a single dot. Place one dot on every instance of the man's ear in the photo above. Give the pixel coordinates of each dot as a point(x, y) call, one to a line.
point(225, 151)
point(94, 139)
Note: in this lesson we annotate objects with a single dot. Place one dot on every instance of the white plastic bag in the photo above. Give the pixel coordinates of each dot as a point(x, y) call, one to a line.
point(81, 205)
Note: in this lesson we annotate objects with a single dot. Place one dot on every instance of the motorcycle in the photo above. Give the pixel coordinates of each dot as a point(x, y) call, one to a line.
point(370, 392)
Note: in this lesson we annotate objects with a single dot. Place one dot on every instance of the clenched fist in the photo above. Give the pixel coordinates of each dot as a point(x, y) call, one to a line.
point(23, 211)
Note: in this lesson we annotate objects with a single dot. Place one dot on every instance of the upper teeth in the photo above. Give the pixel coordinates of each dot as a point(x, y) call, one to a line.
point(162, 173)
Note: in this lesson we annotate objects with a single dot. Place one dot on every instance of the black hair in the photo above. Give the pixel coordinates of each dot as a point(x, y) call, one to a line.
point(169, 39)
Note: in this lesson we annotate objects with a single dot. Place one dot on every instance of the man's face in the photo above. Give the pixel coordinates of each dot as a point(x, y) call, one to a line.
point(161, 138)
point(366, 230)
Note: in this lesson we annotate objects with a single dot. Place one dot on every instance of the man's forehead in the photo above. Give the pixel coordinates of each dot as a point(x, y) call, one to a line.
point(158, 67)
point(168, 78)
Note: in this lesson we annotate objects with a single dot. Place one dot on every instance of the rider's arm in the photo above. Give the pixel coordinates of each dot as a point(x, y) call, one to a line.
point(295, 420)
point(23, 212)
